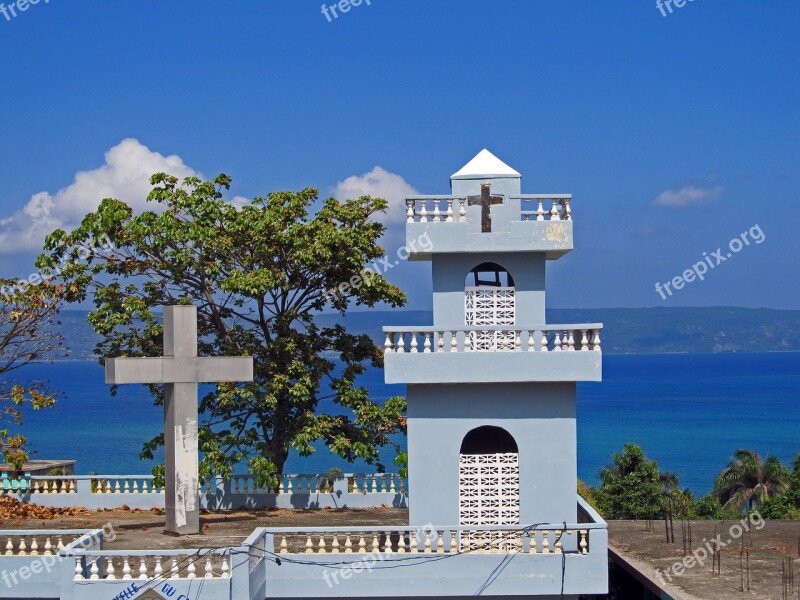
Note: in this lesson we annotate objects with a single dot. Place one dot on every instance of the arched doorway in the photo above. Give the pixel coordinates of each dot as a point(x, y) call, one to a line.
point(489, 299)
point(488, 478)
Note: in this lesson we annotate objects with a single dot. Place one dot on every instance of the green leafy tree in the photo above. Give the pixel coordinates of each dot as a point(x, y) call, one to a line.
point(259, 274)
point(748, 481)
point(787, 505)
point(28, 333)
point(708, 507)
point(633, 487)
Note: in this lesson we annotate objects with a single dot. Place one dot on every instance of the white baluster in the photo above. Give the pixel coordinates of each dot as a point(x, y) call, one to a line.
point(225, 574)
point(596, 345)
point(545, 542)
point(462, 211)
point(191, 569)
point(409, 211)
point(321, 547)
point(388, 344)
point(94, 571)
point(554, 216)
point(126, 489)
point(440, 341)
point(584, 544)
point(335, 545)
point(116, 486)
point(449, 218)
point(584, 340)
point(78, 570)
point(348, 545)
point(532, 341)
point(437, 215)
point(159, 570)
point(309, 546)
point(22, 548)
point(426, 345)
point(362, 545)
point(126, 569)
point(567, 209)
point(110, 573)
point(284, 548)
point(9, 548)
point(570, 341)
point(142, 568)
point(557, 341)
point(423, 213)
point(453, 342)
point(401, 343)
point(48, 547)
point(173, 570)
point(540, 212)
point(209, 570)
point(414, 342)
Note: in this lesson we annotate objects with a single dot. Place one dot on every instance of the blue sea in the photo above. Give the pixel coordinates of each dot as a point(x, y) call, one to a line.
point(689, 412)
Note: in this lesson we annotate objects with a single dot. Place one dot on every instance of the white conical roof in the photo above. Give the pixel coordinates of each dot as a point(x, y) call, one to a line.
point(485, 164)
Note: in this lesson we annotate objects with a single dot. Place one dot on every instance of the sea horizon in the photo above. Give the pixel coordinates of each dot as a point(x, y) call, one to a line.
point(690, 412)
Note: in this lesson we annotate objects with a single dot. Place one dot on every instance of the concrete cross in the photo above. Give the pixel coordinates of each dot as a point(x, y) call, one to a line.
point(485, 200)
point(180, 370)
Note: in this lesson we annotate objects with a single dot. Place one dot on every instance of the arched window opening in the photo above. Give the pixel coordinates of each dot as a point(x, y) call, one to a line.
point(489, 274)
point(488, 478)
point(490, 300)
point(489, 440)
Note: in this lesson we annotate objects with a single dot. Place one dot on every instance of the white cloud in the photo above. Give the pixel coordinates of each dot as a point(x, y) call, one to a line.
point(379, 183)
point(125, 175)
point(687, 196)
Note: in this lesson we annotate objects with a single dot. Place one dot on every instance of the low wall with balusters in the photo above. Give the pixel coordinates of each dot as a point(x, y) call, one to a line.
point(240, 491)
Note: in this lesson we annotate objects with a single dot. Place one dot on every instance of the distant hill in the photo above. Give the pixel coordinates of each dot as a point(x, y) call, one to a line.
point(625, 330)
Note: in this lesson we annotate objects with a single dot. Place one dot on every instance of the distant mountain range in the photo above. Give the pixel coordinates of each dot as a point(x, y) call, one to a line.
point(625, 330)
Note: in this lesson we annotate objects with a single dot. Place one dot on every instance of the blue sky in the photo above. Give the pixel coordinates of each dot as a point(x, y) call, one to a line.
point(674, 134)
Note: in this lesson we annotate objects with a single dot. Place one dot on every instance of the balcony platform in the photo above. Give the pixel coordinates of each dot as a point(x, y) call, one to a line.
point(524, 223)
point(493, 354)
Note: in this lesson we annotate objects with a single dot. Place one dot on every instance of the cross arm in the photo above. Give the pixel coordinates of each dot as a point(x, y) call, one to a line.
point(179, 369)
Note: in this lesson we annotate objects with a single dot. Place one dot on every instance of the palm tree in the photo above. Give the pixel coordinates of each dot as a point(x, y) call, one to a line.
point(748, 481)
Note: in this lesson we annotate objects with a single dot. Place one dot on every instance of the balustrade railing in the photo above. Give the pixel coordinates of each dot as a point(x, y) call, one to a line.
point(36, 542)
point(547, 539)
point(545, 207)
point(493, 338)
point(453, 209)
point(357, 483)
point(160, 565)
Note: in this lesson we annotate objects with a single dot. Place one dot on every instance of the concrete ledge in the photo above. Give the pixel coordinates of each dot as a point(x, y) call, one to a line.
point(492, 367)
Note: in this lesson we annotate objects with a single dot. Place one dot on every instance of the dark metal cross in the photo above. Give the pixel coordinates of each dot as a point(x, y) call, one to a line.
point(485, 200)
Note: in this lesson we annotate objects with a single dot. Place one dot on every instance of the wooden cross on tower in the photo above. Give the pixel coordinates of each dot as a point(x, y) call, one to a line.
point(485, 200)
point(180, 370)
